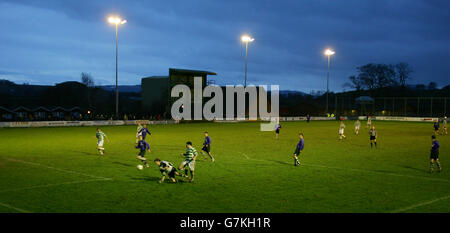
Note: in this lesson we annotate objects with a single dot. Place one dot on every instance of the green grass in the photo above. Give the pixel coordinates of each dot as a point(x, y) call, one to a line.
point(58, 170)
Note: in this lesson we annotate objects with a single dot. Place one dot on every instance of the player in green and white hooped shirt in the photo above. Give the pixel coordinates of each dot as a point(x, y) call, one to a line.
point(100, 140)
point(189, 160)
point(138, 132)
point(167, 169)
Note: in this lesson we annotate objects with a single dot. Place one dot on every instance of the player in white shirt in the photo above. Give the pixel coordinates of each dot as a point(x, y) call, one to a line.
point(369, 122)
point(138, 132)
point(341, 131)
point(357, 126)
point(444, 126)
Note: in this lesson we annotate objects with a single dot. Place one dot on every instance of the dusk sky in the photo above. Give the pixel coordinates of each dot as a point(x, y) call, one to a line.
point(47, 42)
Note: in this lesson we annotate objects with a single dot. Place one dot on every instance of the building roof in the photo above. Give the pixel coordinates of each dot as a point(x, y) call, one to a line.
point(194, 72)
point(5, 109)
point(153, 77)
point(40, 108)
point(21, 108)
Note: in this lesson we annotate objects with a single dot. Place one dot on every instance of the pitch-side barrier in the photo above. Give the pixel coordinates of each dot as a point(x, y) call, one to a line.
point(33, 124)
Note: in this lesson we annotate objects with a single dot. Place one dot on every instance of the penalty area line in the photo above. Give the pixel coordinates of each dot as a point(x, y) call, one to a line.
point(14, 208)
point(420, 204)
point(56, 169)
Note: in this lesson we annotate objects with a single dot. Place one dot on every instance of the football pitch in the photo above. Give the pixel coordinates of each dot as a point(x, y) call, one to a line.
point(59, 170)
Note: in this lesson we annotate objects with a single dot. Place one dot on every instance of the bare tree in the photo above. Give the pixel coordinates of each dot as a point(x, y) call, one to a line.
point(354, 83)
point(403, 71)
point(385, 75)
point(432, 86)
point(367, 76)
point(373, 76)
point(87, 79)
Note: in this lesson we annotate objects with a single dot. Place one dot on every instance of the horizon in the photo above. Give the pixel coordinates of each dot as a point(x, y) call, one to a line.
point(312, 92)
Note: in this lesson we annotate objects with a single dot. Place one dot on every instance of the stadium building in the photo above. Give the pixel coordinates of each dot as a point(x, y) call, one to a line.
point(156, 98)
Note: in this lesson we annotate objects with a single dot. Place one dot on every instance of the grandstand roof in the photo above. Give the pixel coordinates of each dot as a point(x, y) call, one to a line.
point(184, 71)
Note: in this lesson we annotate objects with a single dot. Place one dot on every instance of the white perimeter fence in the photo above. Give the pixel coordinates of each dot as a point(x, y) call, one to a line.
point(77, 123)
point(376, 118)
point(33, 124)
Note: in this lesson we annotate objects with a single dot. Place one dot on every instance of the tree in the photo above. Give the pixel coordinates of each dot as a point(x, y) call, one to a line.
point(385, 75)
point(432, 86)
point(373, 76)
point(367, 76)
point(420, 87)
point(354, 83)
point(403, 71)
point(87, 79)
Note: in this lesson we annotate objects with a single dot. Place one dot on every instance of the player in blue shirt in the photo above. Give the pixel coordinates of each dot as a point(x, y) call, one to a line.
point(434, 156)
point(436, 127)
point(143, 146)
point(207, 147)
point(144, 131)
point(299, 149)
point(277, 130)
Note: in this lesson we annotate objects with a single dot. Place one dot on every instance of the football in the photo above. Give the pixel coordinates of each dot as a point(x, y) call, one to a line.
point(140, 167)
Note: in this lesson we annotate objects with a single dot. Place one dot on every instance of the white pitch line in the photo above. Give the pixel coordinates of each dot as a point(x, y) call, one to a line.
point(50, 185)
point(420, 204)
point(360, 170)
point(377, 172)
point(14, 208)
point(57, 169)
point(245, 155)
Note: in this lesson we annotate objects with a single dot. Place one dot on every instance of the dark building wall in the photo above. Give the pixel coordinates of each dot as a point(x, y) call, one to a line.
point(155, 95)
point(156, 90)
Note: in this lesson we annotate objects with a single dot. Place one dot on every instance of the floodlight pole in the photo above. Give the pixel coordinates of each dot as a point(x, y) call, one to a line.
point(246, 53)
point(328, 81)
point(117, 71)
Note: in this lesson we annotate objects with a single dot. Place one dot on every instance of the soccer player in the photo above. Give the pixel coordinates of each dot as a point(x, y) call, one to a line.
point(369, 122)
point(434, 154)
point(100, 140)
point(299, 149)
point(144, 131)
point(207, 147)
point(436, 127)
point(138, 131)
point(189, 160)
point(341, 130)
point(277, 130)
point(143, 146)
point(373, 137)
point(357, 126)
point(167, 169)
point(444, 126)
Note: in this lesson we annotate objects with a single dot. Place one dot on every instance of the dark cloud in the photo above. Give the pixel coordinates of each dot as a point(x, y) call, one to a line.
point(52, 41)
